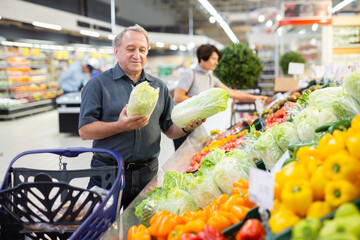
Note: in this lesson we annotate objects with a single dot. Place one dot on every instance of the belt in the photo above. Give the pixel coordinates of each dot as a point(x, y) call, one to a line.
point(128, 165)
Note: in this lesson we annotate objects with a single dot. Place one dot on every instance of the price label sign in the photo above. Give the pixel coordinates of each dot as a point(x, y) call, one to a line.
point(261, 188)
point(296, 68)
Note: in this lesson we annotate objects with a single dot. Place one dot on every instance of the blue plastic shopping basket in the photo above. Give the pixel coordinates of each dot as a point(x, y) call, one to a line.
point(29, 197)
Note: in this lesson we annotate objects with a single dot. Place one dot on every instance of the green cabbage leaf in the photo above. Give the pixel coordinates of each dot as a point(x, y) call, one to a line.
point(352, 85)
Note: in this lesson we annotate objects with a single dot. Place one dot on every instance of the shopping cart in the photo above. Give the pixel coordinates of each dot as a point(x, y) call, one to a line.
point(30, 198)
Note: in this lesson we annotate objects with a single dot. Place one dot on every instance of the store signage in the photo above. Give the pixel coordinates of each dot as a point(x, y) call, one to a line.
point(306, 13)
point(261, 188)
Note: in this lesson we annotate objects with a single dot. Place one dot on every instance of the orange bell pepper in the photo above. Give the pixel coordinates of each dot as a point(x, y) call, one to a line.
point(240, 186)
point(239, 211)
point(220, 200)
point(163, 222)
point(193, 215)
point(236, 199)
point(138, 233)
point(220, 220)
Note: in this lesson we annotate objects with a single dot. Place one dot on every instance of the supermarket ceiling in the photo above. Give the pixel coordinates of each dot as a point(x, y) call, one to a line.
point(183, 16)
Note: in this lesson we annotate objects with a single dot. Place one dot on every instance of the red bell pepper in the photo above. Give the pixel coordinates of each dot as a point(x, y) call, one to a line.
point(251, 230)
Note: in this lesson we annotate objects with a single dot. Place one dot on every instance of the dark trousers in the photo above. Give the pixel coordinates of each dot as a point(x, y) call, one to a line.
point(136, 178)
point(179, 141)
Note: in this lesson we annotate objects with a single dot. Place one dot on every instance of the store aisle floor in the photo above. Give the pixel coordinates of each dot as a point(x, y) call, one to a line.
point(41, 131)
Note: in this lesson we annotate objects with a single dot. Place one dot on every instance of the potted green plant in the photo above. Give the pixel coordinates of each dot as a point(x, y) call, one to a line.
point(239, 67)
point(288, 57)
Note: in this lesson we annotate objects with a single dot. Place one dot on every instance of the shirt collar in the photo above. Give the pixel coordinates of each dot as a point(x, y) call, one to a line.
point(119, 74)
point(199, 69)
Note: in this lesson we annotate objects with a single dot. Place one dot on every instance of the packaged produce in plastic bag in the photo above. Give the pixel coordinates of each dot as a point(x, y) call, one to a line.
point(229, 169)
point(143, 99)
point(204, 105)
point(204, 190)
point(268, 149)
point(352, 85)
point(285, 134)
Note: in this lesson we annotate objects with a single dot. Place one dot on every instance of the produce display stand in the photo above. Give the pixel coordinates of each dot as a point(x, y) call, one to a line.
point(27, 109)
point(179, 161)
point(42, 204)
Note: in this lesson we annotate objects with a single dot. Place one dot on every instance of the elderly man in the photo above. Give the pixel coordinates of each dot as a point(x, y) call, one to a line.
point(103, 114)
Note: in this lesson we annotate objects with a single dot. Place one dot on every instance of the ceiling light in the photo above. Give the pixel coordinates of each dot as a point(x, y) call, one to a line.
point(208, 7)
point(182, 48)
point(89, 33)
point(212, 19)
point(261, 18)
point(160, 44)
point(341, 5)
point(315, 27)
point(269, 23)
point(111, 36)
point(47, 25)
point(173, 47)
point(278, 17)
point(220, 20)
point(190, 45)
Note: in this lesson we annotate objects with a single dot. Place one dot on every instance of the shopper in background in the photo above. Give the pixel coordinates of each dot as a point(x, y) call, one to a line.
point(194, 81)
point(103, 114)
point(75, 76)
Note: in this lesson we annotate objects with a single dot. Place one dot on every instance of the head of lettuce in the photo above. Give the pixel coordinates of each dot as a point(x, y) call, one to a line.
point(143, 99)
point(204, 105)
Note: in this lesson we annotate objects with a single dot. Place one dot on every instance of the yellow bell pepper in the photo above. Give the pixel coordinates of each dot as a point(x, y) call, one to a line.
point(314, 165)
point(297, 196)
point(293, 170)
point(352, 145)
point(329, 144)
point(340, 191)
point(318, 209)
point(318, 182)
point(282, 220)
point(220, 200)
point(341, 166)
point(306, 154)
point(355, 124)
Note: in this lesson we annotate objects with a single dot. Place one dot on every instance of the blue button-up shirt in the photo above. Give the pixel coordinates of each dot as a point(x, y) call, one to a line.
point(103, 98)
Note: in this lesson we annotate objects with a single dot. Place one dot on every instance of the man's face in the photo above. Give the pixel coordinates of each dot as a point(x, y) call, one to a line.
point(132, 52)
point(211, 63)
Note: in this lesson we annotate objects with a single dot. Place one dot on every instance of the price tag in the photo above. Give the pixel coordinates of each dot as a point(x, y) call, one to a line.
point(261, 188)
point(277, 167)
point(296, 68)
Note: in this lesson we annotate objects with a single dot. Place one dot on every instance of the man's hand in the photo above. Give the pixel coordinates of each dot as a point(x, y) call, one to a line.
point(194, 124)
point(130, 123)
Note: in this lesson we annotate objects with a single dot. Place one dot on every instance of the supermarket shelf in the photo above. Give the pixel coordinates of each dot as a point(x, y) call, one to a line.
point(26, 109)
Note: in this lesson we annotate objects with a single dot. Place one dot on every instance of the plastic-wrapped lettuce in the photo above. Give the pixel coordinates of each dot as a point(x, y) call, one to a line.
point(323, 98)
point(212, 158)
point(352, 85)
point(327, 115)
point(284, 134)
point(204, 105)
point(306, 122)
point(204, 190)
point(230, 169)
point(346, 106)
point(155, 202)
point(143, 99)
point(243, 157)
point(174, 179)
point(179, 201)
point(268, 149)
